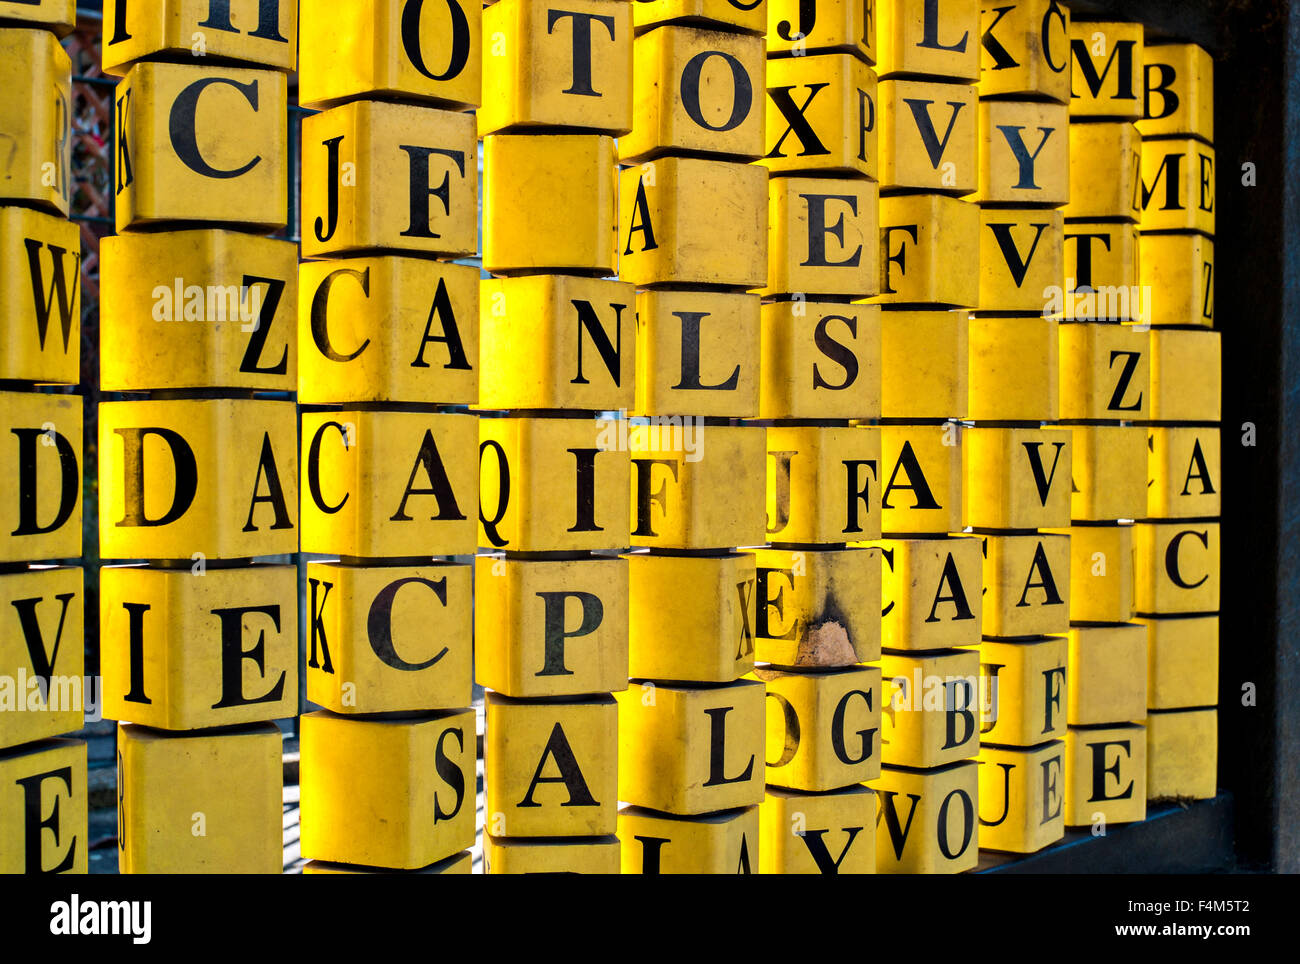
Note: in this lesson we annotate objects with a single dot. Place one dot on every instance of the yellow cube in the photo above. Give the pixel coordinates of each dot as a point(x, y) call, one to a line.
point(203, 144)
point(928, 136)
point(922, 238)
point(355, 155)
point(597, 855)
point(42, 654)
point(823, 729)
point(1101, 274)
point(922, 37)
point(1182, 473)
point(1182, 755)
point(1107, 674)
point(819, 360)
point(556, 341)
point(1182, 661)
point(185, 650)
point(40, 295)
point(390, 49)
point(924, 363)
point(690, 617)
point(59, 16)
point(821, 236)
point(1177, 186)
point(387, 793)
point(746, 16)
point(261, 34)
point(1179, 271)
point(200, 804)
point(549, 628)
point(818, 833)
point(1025, 50)
point(1024, 153)
point(928, 593)
point(818, 608)
point(1026, 585)
point(461, 863)
point(796, 29)
point(379, 484)
point(198, 309)
point(1022, 797)
point(388, 329)
point(388, 639)
point(1105, 776)
point(930, 711)
point(920, 479)
point(1107, 478)
point(1023, 690)
point(927, 820)
point(690, 750)
point(697, 352)
point(1021, 258)
point(1177, 567)
point(1179, 91)
point(1106, 80)
point(1105, 171)
point(697, 91)
point(41, 439)
point(716, 843)
point(1014, 366)
point(821, 115)
point(184, 478)
point(1186, 376)
point(1105, 372)
point(36, 116)
point(43, 806)
point(1101, 573)
point(823, 484)
point(550, 484)
point(1016, 478)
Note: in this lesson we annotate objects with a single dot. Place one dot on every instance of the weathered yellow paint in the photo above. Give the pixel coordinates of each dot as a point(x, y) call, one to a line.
point(927, 821)
point(743, 15)
point(251, 32)
point(822, 114)
point(818, 833)
point(379, 484)
point(550, 768)
point(1105, 171)
point(198, 143)
point(1022, 797)
point(1179, 271)
point(551, 628)
point(1024, 153)
point(40, 295)
point(1023, 690)
point(1021, 252)
point(922, 236)
point(503, 855)
point(797, 29)
point(930, 38)
point(1182, 662)
point(1101, 573)
point(43, 798)
point(929, 593)
point(386, 639)
point(1177, 566)
point(1183, 480)
point(1026, 584)
point(59, 16)
point(1179, 91)
point(386, 793)
point(929, 707)
point(1016, 478)
point(200, 804)
point(1013, 369)
point(1182, 755)
point(690, 750)
point(819, 360)
point(1105, 372)
point(1107, 674)
point(1025, 50)
point(928, 136)
point(461, 863)
point(1105, 776)
point(923, 358)
point(920, 479)
point(821, 236)
point(817, 608)
point(1101, 273)
point(716, 843)
point(41, 439)
point(1108, 482)
point(42, 654)
point(823, 484)
point(1177, 186)
point(36, 116)
point(183, 650)
point(1186, 376)
point(823, 728)
point(1106, 79)
point(557, 341)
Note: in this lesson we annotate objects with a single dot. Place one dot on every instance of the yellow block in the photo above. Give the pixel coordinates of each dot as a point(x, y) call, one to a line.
point(1105, 776)
point(551, 628)
point(1022, 797)
point(1026, 584)
point(184, 649)
point(927, 821)
point(690, 750)
point(821, 236)
point(40, 295)
point(819, 360)
point(59, 16)
point(1182, 473)
point(817, 608)
point(1101, 273)
point(198, 309)
point(461, 863)
point(689, 617)
point(388, 639)
point(823, 729)
point(747, 16)
point(919, 37)
point(198, 143)
point(929, 590)
point(1177, 567)
point(1024, 153)
point(43, 806)
point(821, 114)
point(1177, 186)
point(923, 359)
point(1186, 376)
point(1025, 50)
point(696, 91)
point(1105, 372)
point(697, 487)
point(201, 804)
point(550, 768)
point(1016, 478)
point(1107, 476)
point(40, 436)
point(1182, 755)
point(1179, 91)
point(388, 329)
point(930, 711)
point(818, 833)
point(1023, 690)
point(1106, 80)
point(928, 136)
point(1014, 365)
point(42, 654)
point(922, 238)
point(698, 352)
point(36, 116)
point(503, 855)
point(1105, 171)
point(920, 479)
point(823, 484)
point(381, 484)
point(356, 160)
point(1020, 258)
point(716, 843)
point(387, 793)
point(796, 29)
point(1101, 573)
point(1182, 662)
point(260, 33)
point(556, 341)
point(1107, 672)
point(422, 50)
point(552, 484)
point(1179, 270)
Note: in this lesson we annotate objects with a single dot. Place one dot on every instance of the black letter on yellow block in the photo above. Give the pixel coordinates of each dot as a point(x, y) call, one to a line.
point(379, 623)
point(135, 634)
point(439, 485)
point(1198, 469)
point(837, 731)
point(34, 824)
point(420, 192)
point(313, 469)
point(742, 97)
point(968, 824)
point(793, 732)
point(1053, 680)
point(818, 229)
point(268, 19)
point(951, 579)
point(332, 203)
point(897, 834)
point(644, 497)
point(922, 497)
point(690, 369)
point(1042, 478)
point(611, 352)
point(257, 340)
point(1171, 558)
point(233, 655)
point(836, 351)
point(318, 626)
point(1006, 769)
point(42, 665)
point(570, 774)
point(450, 336)
point(958, 706)
point(184, 136)
point(767, 602)
point(503, 487)
point(1099, 770)
point(581, 84)
point(64, 278)
point(643, 225)
point(1048, 584)
point(450, 773)
point(320, 313)
point(459, 39)
point(718, 749)
point(593, 613)
point(275, 492)
point(795, 122)
point(69, 481)
point(827, 864)
point(186, 472)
